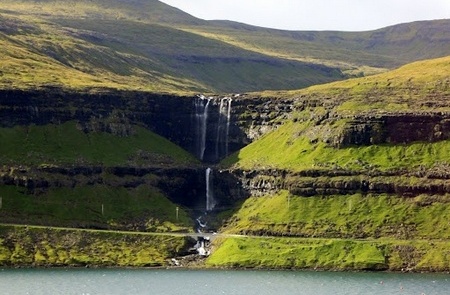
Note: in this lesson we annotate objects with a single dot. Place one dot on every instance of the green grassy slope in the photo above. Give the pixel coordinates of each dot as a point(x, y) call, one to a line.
point(67, 144)
point(368, 52)
point(140, 209)
point(290, 147)
point(353, 216)
point(338, 232)
point(354, 230)
point(418, 87)
point(135, 45)
point(77, 200)
point(151, 46)
point(148, 11)
point(332, 254)
point(43, 247)
point(37, 53)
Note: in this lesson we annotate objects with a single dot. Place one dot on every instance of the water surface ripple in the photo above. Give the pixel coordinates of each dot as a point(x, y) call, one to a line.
point(187, 282)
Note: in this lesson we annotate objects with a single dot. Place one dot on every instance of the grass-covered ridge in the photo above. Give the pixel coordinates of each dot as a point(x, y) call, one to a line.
point(309, 137)
point(290, 147)
point(148, 45)
point(331, 254)
point(412, 81)
point(67, 143)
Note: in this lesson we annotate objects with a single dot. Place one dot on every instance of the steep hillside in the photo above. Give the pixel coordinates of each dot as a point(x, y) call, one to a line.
point(134, 45)
point(147, 45)
point(376, 118)
point(354, 52)
point(354, 172)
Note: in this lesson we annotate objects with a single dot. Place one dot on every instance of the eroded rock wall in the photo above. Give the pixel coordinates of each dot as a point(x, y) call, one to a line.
point(405, 183)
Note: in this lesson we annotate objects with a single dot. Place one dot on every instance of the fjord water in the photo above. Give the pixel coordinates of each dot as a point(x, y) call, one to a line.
point(190, 282)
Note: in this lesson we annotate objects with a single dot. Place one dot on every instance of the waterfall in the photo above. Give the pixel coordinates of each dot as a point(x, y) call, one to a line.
point(203, 135)
point(223, 127)
point(228, 125)
point(201, 118)
point(204, 121)
point(220, 125)
point(210, 202)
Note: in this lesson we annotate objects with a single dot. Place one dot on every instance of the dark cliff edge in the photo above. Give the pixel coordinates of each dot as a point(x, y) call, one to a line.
point(117, 113)
point(174, 117)
point(170, 116)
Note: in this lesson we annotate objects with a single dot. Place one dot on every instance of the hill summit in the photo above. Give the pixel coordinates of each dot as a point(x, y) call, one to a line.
point(148, 45)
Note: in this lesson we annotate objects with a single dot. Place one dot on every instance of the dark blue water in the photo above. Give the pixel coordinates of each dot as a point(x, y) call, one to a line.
point(144, 281)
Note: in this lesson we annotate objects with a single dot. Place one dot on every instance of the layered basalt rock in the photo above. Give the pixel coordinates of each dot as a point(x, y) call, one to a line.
point(182, 185)
point(171, 116)
point(310, 183)
point(249, 117)
point(395, 128)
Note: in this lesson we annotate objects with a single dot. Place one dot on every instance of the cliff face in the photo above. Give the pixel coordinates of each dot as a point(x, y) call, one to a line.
point(396, 128)
point(405, 183)
point(219, 128)
point(227, 123)
point(112, 112)
point(212, 128)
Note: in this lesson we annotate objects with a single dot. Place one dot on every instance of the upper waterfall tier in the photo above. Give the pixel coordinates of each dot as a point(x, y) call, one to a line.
point(211, 122)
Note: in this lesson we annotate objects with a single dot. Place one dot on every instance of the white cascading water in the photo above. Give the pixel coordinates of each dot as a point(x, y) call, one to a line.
point(220, 125)
point(228, 125)
point(201, 117)
point(210, 202)
point(223, 127)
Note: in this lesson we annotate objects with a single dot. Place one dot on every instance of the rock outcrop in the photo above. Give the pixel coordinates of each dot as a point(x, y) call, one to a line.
point(405, 183)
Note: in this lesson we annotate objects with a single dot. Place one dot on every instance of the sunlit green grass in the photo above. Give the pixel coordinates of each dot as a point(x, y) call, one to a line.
point(357, 216)
point(288, 253)
point(290, 147)
point(331, 254)
point(338, 232)
point(43, 247)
